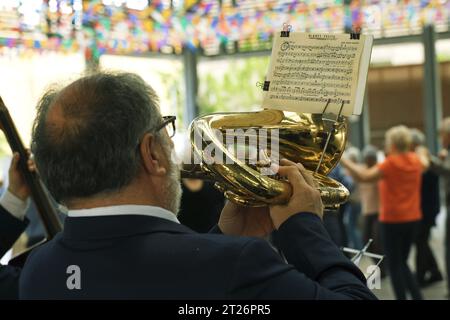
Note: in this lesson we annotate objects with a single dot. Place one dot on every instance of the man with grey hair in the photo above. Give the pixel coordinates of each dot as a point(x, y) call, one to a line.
point(441, 166)
point(101, 149)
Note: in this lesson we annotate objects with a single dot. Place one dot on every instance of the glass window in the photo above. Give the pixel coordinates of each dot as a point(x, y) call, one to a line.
point(164, 75)
point(230, 84)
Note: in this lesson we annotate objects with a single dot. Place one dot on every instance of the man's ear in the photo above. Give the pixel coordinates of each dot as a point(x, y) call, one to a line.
point(152, 155)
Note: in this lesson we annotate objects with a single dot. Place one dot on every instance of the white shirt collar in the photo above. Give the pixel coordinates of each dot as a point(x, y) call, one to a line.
point(125, 210)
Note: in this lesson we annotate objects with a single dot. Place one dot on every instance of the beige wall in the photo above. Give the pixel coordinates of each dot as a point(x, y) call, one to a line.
point(396, 97)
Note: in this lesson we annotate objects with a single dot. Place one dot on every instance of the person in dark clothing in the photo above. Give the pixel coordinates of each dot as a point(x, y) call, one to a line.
point(334, 219)
point(200, 218)
point(352, 213)
point(12, 226)
point(441, 166)
point(10, 229)
point(427, 270)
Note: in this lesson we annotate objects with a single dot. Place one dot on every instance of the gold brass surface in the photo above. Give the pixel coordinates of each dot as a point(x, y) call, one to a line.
point(301, 139)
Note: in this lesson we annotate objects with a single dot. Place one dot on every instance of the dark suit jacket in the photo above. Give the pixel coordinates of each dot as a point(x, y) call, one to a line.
point(10, 229)
point(146, 257)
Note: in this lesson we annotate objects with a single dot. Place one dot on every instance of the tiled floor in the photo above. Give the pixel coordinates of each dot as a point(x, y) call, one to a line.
point(437, 291)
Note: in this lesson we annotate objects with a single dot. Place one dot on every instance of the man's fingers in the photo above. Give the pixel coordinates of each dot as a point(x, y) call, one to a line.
point(15, 163)
point(293, 175)
point(31, 165)
point(306, 175)
point(286, 162)
point(316, 183)
point(15, 160)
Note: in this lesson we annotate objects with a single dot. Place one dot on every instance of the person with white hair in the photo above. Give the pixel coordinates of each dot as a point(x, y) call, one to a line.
point(441, 166)
point(400, 178)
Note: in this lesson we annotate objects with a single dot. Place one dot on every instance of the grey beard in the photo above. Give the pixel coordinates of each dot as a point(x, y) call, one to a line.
point(172, 196)
point(173, 187)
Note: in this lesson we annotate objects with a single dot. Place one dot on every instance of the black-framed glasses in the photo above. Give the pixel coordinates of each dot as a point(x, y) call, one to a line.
point(169, 124)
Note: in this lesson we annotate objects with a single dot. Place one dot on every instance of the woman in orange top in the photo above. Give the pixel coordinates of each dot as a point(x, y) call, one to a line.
point(399, 178)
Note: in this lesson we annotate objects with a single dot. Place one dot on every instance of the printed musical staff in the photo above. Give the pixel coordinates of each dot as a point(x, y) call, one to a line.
point(309, 69)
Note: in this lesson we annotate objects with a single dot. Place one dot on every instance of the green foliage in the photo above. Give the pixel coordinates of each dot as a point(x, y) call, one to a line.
point(443, 57)
point(231, 85)
point(175, 93)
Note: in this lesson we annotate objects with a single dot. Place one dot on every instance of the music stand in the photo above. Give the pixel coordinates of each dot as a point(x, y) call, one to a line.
point(358, 254)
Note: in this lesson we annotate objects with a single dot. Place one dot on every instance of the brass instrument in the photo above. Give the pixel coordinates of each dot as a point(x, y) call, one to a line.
point(301, 138)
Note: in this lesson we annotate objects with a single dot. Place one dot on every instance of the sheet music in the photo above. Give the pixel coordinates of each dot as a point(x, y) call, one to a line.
point(307, 69)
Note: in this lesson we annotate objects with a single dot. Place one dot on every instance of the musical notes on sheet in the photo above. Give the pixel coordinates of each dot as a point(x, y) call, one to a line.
point(309, 69)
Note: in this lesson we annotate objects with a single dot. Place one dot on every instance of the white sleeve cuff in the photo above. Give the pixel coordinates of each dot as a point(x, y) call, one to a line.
point(15, 206)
